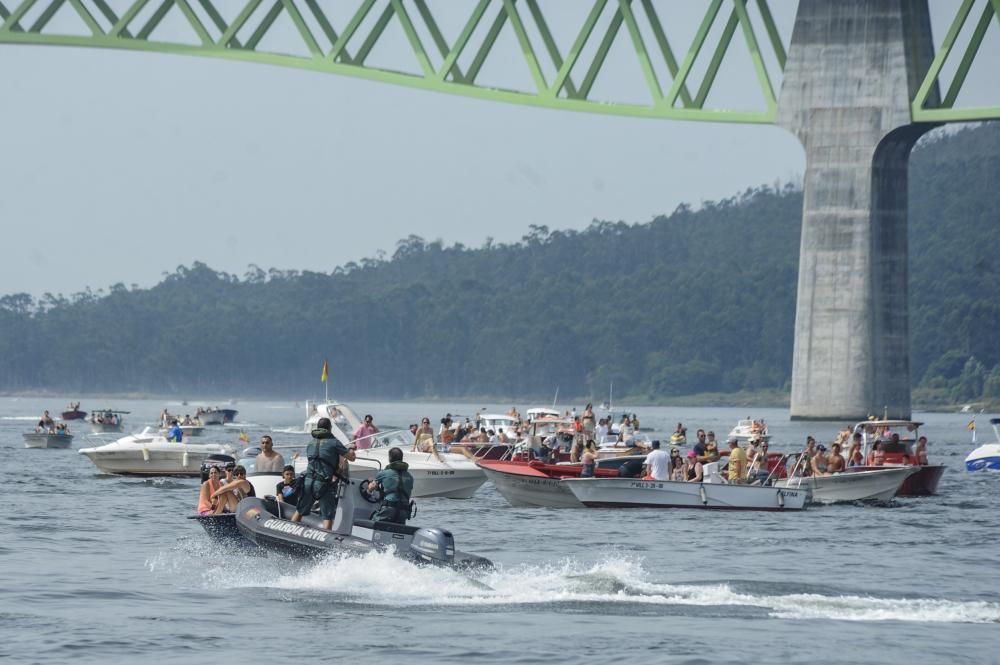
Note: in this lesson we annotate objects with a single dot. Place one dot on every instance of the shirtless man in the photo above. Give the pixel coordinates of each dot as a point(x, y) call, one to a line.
point(835, 461)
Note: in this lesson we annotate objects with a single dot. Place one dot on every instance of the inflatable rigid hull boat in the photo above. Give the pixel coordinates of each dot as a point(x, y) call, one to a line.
point(266, 523)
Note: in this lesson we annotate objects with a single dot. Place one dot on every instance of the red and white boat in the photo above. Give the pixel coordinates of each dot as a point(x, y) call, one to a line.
point(922, 483)
point(538, 484)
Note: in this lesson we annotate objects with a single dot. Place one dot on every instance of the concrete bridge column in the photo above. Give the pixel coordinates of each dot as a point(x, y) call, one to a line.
point(852, 68)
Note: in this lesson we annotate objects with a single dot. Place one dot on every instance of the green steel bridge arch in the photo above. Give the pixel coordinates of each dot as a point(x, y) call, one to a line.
point(329, 39)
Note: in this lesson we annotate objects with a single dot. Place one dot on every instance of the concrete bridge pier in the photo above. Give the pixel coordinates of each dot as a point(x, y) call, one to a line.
point(852, 68)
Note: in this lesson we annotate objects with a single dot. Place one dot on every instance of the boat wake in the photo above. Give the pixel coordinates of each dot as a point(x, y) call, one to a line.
point(289, 430)
point(380, 578)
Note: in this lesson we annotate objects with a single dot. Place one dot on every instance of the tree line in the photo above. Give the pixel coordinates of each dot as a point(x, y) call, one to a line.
point(698, 300)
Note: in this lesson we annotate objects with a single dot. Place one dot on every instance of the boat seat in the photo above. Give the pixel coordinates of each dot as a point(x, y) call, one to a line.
point(390, 527)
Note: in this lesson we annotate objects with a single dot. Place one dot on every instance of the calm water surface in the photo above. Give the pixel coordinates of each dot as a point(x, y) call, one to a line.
point(97, 568)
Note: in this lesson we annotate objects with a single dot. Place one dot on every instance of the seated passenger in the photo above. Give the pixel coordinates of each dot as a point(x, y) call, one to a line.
point(206, 502)
point(231, 493)
point(920, 454)
point(877, 456)
point(397, 487)
point(819, 462)
point(759, 470)
point(695, 472)
point(287, 490)
point(676, 466)
point(854, 456)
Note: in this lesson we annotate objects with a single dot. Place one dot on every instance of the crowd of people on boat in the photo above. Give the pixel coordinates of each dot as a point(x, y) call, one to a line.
point(105, 418)
point(167, 419)
point(576, 439)
point(322, 486)
point(46, 425)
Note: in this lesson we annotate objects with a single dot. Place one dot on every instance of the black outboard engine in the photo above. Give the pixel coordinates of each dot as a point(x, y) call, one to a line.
point(433, 545)
point(631, 468)
point(217, 460)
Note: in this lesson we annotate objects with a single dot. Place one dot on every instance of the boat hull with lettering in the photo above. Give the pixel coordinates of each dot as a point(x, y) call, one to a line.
point(265, 522)
point(636, 493)
point(877, 485)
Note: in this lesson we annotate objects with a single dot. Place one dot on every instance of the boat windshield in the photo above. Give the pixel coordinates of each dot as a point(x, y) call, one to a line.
point(402, 438)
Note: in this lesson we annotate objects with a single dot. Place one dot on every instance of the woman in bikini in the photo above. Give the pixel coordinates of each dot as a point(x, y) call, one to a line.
point(206, 504)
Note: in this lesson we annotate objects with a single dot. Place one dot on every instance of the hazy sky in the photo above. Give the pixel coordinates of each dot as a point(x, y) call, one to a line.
point(118, 166)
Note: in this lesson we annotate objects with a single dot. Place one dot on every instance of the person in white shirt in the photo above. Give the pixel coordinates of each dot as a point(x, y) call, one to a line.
point(601, 431)
point(657, 464)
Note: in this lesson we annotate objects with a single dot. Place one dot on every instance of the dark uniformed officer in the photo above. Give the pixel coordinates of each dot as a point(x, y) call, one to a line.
point(323, 453)
point(397, 486)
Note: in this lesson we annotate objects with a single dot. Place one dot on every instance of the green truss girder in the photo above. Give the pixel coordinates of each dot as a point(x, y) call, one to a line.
point(561, 79)
point(925, 106)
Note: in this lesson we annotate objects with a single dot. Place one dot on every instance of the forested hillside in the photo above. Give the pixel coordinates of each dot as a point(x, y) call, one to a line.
point(694, 301)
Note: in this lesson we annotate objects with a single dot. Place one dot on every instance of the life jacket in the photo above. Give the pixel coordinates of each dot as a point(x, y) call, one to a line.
point(395, 492)
point(322, 467)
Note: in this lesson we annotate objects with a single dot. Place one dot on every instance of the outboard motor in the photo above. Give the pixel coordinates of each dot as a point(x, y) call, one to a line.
point(433, 545)
point(215, 460)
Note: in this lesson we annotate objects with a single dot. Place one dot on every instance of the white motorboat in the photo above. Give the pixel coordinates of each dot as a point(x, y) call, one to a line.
point(749, 429)
point(878, 485)
point(541, 412)
point(188, 430)
point(498, 423)
point(107, 421)
point(636, 493)
point(150, 454)
point(47, 440)
point(342, 416)
point(211, 416)
point(987, 456)
point(450, 475)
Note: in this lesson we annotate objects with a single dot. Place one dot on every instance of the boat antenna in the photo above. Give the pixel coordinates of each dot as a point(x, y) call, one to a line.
point(556, 398)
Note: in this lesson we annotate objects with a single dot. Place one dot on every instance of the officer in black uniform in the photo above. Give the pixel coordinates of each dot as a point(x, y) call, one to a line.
point(397, 486)
point(323, 453)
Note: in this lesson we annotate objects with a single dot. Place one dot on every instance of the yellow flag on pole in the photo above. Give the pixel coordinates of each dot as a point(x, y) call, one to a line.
point(326, 371)
point(972, 424)
point(243, 437)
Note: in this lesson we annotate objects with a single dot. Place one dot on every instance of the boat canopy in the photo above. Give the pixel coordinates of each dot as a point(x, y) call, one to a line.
point(877, 426)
